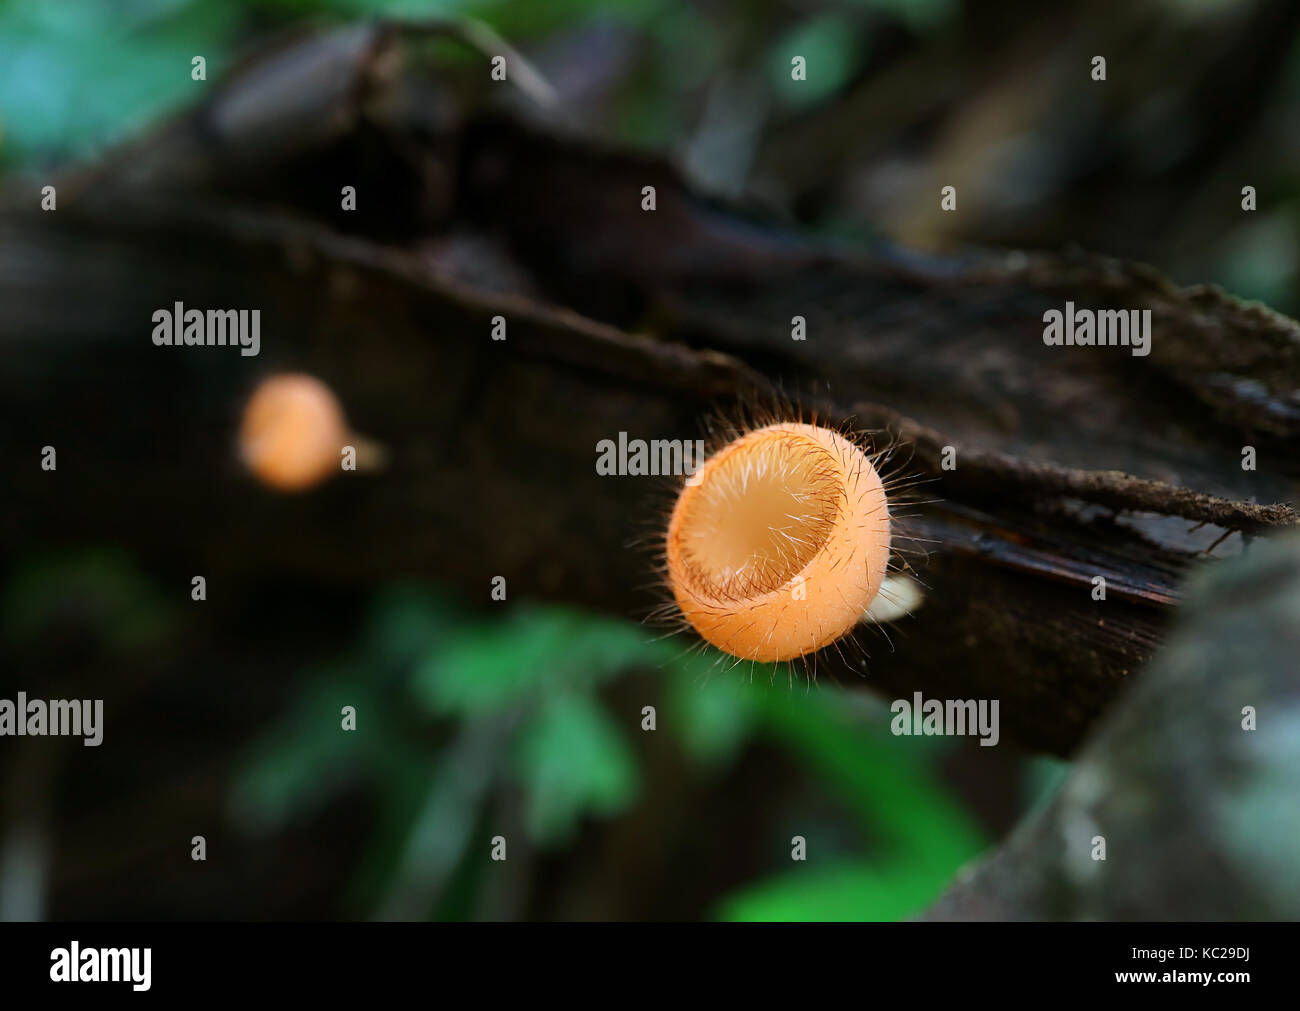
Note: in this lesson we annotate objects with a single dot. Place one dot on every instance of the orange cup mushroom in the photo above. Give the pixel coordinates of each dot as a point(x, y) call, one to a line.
point(292, 433)
point(779, 543)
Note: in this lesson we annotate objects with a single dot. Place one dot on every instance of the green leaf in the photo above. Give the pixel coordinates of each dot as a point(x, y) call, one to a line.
point(407, 621)
point(711, 716)
point(572, 761)
point(101, 589)
point(883, 778)
point(536, 651)
point(306, 757)
point(74, 77)
point(830, 47)
point(843, 892)
point(926, 836)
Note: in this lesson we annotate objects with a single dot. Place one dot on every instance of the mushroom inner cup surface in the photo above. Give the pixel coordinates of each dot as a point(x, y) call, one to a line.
point(759, 514)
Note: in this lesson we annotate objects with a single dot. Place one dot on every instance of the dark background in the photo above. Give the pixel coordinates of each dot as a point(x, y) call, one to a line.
point(523, 719)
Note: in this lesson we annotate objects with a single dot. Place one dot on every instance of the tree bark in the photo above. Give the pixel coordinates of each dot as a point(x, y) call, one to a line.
point(1195, 763)
point(1071, 463)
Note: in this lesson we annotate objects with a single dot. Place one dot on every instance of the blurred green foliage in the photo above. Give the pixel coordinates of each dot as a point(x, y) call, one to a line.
point(513, 699)
point(77, 76)
point(456, 707)
point(98, 592)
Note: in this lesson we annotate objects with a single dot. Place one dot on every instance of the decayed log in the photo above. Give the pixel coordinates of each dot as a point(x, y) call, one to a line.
point(1071, 462)
point(1196, 762)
